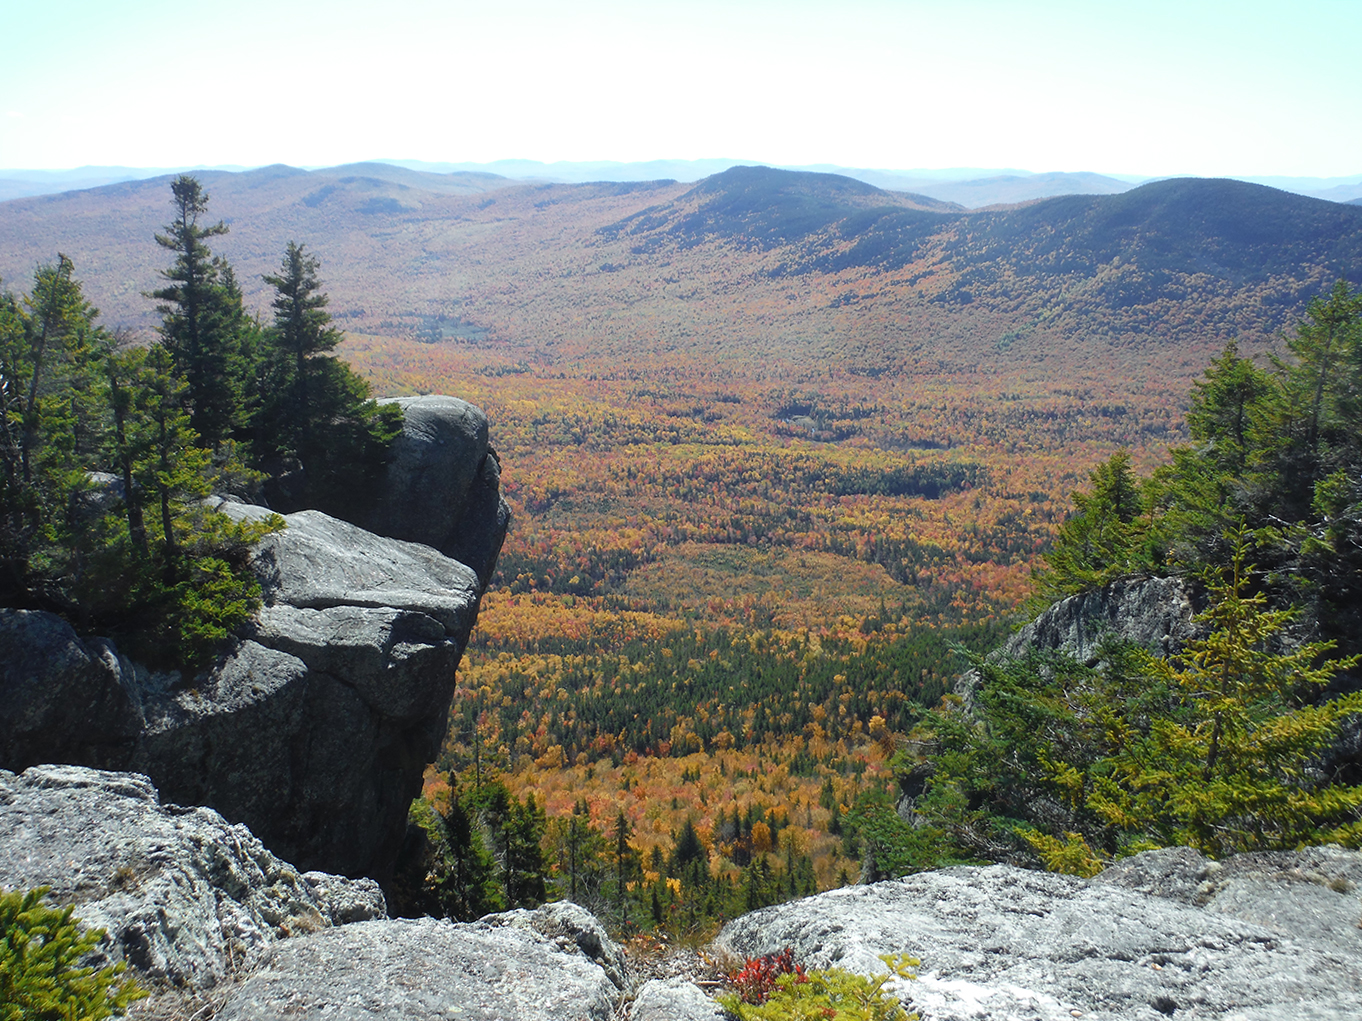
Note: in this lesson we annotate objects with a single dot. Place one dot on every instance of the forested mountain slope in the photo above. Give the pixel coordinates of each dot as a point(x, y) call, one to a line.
point(533, 268)
point(1119, 264)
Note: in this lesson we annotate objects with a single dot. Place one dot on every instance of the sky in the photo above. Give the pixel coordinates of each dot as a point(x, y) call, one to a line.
point(1151, 88)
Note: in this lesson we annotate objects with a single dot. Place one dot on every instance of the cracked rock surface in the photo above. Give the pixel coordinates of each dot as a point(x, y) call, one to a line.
point(185, 897)
point(1259, 937)
point(1155, 613)
point(314, 730)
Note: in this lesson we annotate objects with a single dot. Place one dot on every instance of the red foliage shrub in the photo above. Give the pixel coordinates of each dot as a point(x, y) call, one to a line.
point(754, 981)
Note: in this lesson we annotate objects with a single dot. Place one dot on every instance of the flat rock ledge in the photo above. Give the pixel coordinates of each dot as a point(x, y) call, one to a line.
point(1165, 934)
point(426, 968)
point(185, 897)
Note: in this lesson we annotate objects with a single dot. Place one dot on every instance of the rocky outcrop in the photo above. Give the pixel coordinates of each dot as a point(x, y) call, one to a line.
point(315, 729)
point(1155, 613)
point(317, 722)
point(186, 897)
point(1165, 933)
point(63, 699)
point(427, 968)
point(567, 923)
point(191, 900)
point(443, 484)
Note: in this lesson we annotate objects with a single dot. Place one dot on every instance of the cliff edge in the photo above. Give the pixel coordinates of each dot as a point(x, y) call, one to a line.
point(316, 722)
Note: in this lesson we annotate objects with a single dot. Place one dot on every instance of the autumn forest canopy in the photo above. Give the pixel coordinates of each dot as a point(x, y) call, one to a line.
point(785, 454)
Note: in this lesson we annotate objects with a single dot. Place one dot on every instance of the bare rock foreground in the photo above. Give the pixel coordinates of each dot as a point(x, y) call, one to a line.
point(192, 901)
point(186, 898)
point(1164, 934)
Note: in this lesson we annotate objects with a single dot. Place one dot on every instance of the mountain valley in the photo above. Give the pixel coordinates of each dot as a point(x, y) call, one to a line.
point(772, 441)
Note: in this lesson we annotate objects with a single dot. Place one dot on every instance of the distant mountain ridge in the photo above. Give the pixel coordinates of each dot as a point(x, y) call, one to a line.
point(803, 267)
point(971, 187)
point(1145, 244)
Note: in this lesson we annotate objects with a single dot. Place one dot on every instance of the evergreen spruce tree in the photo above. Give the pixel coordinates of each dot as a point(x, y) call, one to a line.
point(201, 317)
point(301, 331)
point(1104, 538)
point(626, 863)
point(1323, 380)
point(1228, 411)
point(469, 890)
point(102, 476)
point(523, 864)
point(316, 429)
point(51, 427)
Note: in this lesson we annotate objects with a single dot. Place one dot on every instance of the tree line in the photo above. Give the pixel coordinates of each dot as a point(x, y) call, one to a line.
point(482, 850)
point(110, 449)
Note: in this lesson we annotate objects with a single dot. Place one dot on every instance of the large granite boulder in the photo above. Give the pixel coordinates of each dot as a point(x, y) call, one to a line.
point(185, 897)
point(313, 728)
point(492, 970)
point(443, 483)
point(1165, 934)
point(315, 725)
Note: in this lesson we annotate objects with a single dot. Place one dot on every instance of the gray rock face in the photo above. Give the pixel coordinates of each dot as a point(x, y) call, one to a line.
point(569, 923)
point(1001, 942)
point(185, 896)
point(443, 483)
point(62, 699)
point(476, 540)
point(674, 999)
point(426, 968)
point(320, 562)
point(1153, 612)
point(315, 726)
point(1313, 893)
point(315, 730)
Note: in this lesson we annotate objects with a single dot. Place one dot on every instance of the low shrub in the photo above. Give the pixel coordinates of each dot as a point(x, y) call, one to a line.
point(774, 988)
point(41, 977)
point(755, 980)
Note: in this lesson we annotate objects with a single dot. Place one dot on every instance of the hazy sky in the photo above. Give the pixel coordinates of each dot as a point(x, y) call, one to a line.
point(1143, 87)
